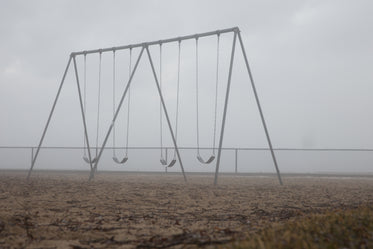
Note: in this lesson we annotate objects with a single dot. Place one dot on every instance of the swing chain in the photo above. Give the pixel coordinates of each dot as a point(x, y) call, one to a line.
point(197, 96)
point(85, 99)
point(129, 101)
point(216, 90)
point(98, 101)
point(177, 94)
point(114, 154)
point(160, 104)
point(125, 158)
point(212, 157)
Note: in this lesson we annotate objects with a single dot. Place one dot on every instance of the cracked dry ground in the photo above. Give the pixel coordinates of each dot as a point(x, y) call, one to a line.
point(121, 210)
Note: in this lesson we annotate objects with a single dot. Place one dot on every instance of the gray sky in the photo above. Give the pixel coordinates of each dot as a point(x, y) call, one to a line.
point(311, 61)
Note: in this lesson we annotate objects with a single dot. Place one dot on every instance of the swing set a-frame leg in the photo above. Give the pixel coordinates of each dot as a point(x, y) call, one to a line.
point(166, 114)
point(93, 171)
point(49, 119)
point(237, 33)
point(225, 109)
point(83, 114)
point(260, 109)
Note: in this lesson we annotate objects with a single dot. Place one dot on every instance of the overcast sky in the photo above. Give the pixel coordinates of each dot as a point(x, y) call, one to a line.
point(311, 60)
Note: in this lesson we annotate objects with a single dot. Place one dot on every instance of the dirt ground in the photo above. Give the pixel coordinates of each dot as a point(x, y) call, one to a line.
point(128, 210)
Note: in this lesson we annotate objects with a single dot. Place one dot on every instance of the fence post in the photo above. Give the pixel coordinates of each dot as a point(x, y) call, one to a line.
point(236, 160)
point(166, 154)
point(32, 154)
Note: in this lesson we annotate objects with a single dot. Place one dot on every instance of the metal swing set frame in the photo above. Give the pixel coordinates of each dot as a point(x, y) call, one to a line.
point(145, 48)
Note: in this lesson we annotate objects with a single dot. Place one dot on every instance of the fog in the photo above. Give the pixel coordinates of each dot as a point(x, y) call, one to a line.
point(311, 62)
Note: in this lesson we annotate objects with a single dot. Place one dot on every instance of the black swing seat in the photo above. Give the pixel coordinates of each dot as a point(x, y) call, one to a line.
point(172, 163)
point(115, 159)
point(164, 162)
point(86, 159)
point(201, 160)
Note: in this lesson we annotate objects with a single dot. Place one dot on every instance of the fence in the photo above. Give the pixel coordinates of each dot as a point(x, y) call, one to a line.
point(290, 159)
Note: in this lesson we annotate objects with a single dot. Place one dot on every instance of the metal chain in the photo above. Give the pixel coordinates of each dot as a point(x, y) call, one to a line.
point(98, 103)
point(129, 101)
point(216, 91)
point(177, 94)
point(114, 154)
point(160, 104)
point(197, 107)
point(85, 100)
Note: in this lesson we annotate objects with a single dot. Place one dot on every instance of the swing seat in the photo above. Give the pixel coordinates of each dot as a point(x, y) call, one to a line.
point(115, 159)
point(164, 162)
point(172, 163)
point(86, 159)
point(201, 160)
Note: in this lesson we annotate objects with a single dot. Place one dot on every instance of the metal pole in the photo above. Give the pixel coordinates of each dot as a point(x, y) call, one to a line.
point(236, 161)
point(260, 109)
point(175, 39)
point(225, 109)
point(166, 113)
point(83, 114)
point(115, 116)
point(49, 119)
point(32, 154)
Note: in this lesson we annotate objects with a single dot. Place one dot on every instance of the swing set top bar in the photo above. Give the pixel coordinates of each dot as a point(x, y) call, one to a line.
point(179, 39)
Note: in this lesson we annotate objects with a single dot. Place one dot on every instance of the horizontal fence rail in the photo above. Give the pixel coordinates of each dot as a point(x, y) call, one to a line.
point(191, 148)
point(236, 150)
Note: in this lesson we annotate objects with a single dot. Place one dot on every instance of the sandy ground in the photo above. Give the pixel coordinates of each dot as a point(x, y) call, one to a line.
point(120, 210)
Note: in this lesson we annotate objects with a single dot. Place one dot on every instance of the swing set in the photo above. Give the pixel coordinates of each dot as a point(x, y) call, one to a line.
point(93, 160)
